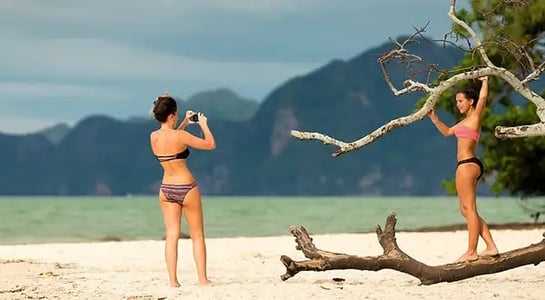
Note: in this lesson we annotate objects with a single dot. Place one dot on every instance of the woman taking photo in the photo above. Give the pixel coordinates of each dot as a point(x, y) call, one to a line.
point(469, 168)
point(179, 193)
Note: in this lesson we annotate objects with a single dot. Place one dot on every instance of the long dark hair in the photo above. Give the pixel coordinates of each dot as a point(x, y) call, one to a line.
point(469, 93)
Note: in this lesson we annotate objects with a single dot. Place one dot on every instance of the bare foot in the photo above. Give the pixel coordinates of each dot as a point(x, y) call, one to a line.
point(489, 252)
point(467, 257)
point(175, 284)
point(205, 282)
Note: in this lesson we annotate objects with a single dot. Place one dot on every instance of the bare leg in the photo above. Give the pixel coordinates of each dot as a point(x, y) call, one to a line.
point(172, 215)
point(491, 249)
point(194, 217)
point(484, 232)
point(465, 186)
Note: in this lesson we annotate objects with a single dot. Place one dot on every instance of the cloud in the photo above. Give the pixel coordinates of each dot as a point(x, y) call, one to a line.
point(23, 125)
point(95, 60)
point(113, 57)
point(267, 30)
point(43, 90)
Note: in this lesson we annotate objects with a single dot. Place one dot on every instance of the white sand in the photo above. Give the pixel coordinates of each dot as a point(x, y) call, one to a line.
point(249, 268)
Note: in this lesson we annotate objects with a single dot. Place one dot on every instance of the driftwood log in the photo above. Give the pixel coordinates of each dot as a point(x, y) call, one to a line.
point(394, 258)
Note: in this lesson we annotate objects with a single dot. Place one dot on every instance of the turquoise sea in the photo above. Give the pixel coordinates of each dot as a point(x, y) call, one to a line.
point(74, 219)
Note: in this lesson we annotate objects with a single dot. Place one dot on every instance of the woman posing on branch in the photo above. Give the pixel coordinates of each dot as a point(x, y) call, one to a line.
point(469, 169)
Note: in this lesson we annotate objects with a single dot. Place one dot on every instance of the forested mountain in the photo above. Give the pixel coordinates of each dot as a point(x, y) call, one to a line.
point(255, 153)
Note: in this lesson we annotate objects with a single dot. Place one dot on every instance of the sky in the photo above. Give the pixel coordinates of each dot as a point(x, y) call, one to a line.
point(62, 60)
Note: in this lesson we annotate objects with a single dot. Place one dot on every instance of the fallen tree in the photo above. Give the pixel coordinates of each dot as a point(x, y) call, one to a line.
point(394, 258)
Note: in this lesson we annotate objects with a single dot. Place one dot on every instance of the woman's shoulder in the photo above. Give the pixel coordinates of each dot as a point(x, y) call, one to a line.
point(156, 134)
point(168, 134)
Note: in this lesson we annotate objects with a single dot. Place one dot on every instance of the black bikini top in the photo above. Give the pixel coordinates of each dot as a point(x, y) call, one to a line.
point(182, 155)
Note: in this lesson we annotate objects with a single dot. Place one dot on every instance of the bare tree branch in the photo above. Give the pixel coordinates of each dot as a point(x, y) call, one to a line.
point(453, 17)
point(434, 92)
point(533, 76)
point(520, 131)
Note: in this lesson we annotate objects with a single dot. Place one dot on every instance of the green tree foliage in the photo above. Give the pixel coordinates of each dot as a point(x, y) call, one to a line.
point(517, 166)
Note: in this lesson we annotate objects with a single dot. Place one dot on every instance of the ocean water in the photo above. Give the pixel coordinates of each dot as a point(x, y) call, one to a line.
point(75, 219)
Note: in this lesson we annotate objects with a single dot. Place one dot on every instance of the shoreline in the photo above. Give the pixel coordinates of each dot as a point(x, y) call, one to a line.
point(424, 229)
point(463, 226)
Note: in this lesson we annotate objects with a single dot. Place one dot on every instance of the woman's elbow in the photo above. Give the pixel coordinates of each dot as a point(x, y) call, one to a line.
point(211, 145)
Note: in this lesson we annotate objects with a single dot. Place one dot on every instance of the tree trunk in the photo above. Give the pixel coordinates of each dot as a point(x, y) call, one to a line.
point(394, 258)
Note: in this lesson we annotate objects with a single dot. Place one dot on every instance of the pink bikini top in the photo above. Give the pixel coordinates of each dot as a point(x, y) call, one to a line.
point(462, 131)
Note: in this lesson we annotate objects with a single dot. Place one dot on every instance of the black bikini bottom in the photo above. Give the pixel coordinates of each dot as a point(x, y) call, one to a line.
point(473, 160)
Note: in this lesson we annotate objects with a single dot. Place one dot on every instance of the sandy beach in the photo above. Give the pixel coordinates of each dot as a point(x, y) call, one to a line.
point(249, 268)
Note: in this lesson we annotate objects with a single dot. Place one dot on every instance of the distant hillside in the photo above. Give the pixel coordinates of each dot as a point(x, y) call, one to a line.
point(21, 159)
point(222, 104)
point(256, 154)
point(55, 133)
point(348, 99)
point(219, 104)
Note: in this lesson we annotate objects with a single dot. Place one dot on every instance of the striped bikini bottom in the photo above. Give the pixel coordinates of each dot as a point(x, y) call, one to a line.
point(176, 192)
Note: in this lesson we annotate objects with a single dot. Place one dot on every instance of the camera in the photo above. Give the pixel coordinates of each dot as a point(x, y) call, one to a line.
point(194, 118)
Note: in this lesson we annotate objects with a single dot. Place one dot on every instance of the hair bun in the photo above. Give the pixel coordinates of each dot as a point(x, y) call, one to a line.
point(164, 106)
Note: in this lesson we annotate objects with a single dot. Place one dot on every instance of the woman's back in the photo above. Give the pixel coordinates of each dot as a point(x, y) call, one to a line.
point(172, 153)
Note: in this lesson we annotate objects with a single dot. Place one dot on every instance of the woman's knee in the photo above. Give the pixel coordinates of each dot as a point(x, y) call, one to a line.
point(172, 234)
point(462, 211)
point(196, 234)
point(468, 209)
